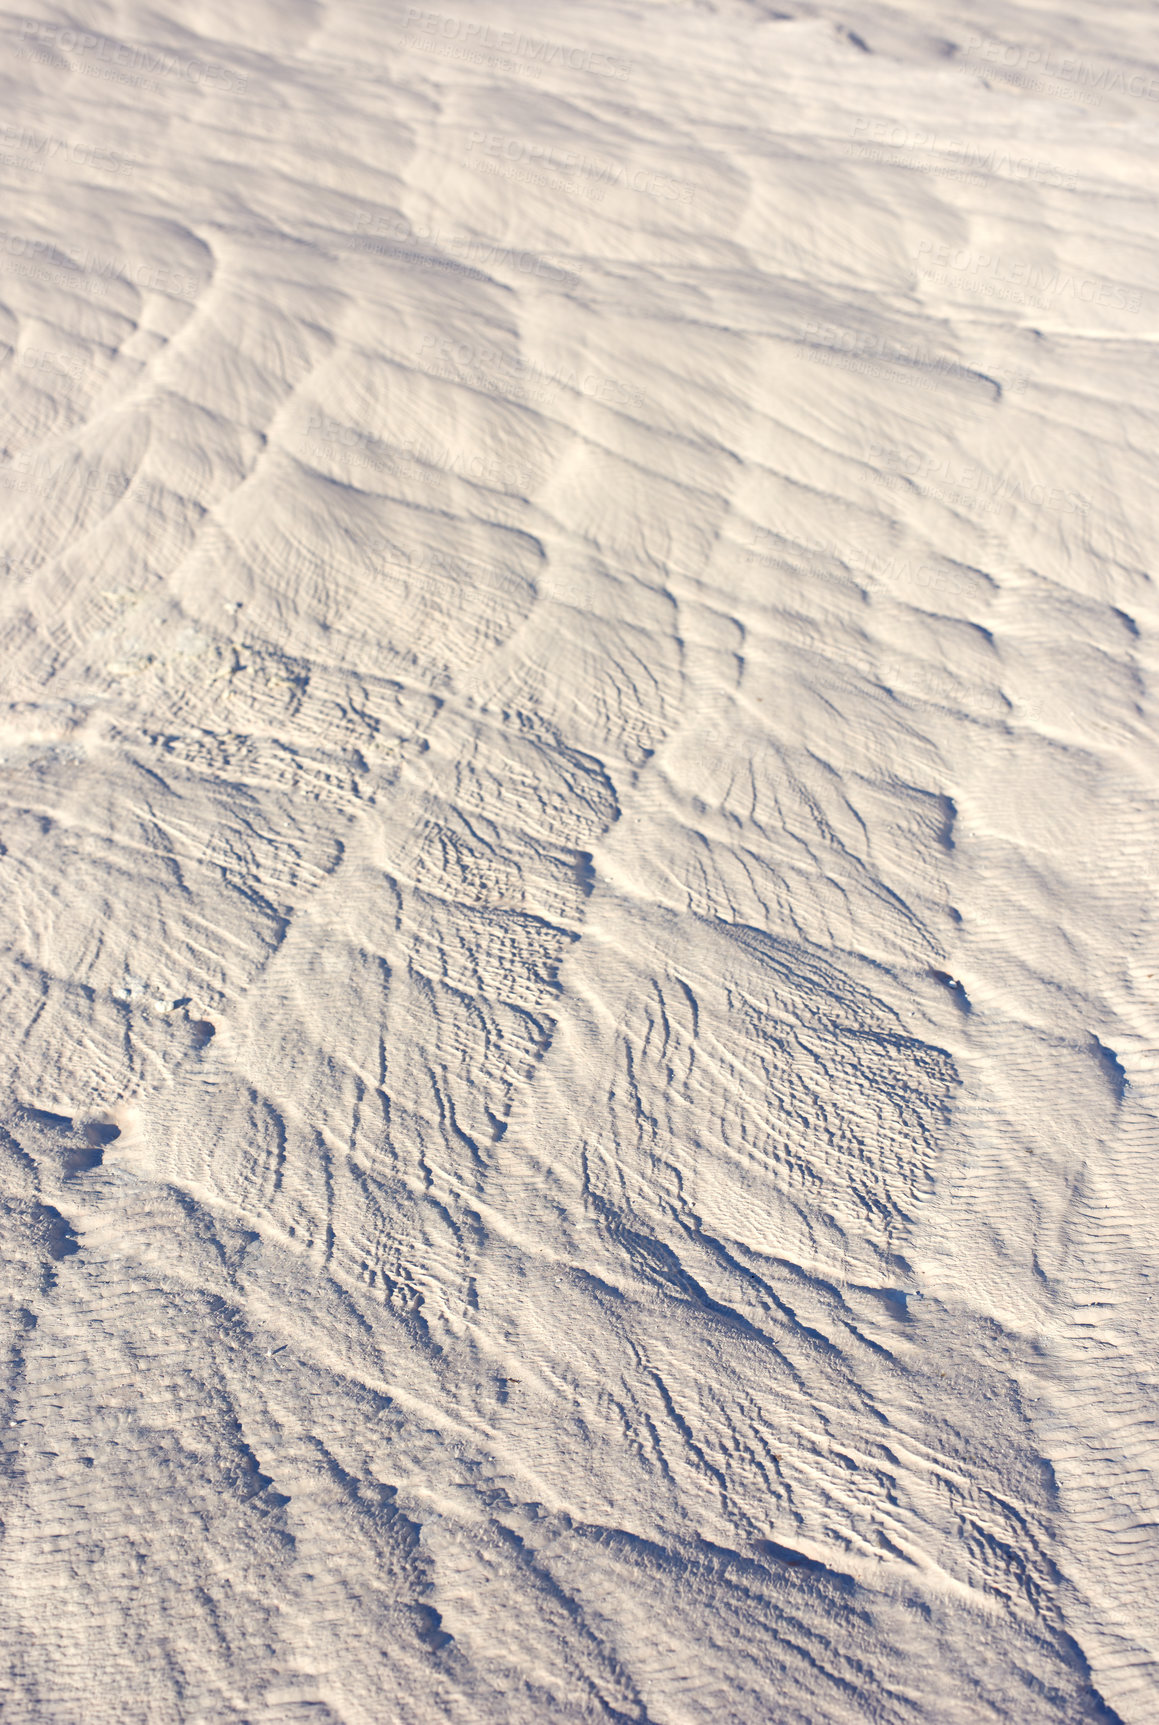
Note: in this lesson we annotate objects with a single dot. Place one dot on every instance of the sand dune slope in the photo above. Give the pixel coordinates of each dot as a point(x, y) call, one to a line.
point(580, 1130)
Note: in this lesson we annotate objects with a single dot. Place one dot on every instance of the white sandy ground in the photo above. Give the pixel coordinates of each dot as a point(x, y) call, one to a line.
point(579, 828)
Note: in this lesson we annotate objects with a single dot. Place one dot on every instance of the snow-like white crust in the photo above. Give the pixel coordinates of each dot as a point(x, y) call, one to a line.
point(578, 864)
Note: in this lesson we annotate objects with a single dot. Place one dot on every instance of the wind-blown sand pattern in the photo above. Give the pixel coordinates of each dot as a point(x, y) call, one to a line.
point(579, 854)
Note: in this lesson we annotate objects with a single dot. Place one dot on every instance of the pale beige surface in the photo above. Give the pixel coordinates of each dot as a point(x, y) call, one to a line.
point(570, 601)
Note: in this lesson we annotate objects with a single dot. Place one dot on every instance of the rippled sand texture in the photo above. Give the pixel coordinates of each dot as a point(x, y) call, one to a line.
point(579, 850)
